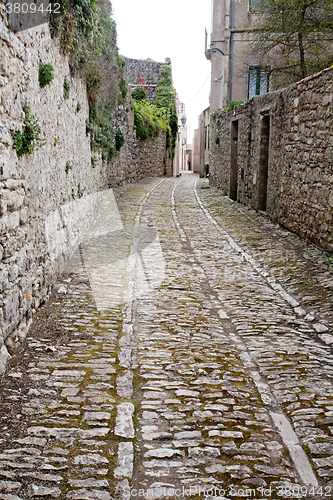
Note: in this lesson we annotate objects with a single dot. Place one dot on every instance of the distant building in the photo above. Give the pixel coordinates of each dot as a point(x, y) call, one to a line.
point(181, 145)
point(201, 144)
point(235, 75)
point(189, 158)
point(143, 73)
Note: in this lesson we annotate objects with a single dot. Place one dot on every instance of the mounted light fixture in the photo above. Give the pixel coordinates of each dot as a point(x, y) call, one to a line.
point(183, 119)
point(208, 52)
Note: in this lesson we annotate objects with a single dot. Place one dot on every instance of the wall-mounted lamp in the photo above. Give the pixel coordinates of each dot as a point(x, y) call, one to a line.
point(208, 52)
point(183, 120)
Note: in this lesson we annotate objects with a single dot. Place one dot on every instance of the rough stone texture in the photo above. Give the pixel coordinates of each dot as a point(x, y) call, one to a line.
point(300, 171)
point(206, 347)
point(145, 69)
point(40, 222)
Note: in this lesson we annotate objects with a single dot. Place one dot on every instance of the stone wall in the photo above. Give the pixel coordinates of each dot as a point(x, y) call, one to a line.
point(38, 198)
point(275, 153)
point(146, 69)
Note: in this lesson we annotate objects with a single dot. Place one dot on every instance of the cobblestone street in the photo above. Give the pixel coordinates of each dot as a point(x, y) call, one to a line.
point(193, 360)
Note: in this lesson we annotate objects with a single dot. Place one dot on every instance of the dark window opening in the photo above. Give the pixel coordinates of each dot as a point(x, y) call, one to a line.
point(263, 162)
point(258, 81)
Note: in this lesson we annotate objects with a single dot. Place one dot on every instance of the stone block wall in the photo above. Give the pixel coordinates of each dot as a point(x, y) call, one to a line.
point(275, 153)
point(38, 198)
point(146, 69)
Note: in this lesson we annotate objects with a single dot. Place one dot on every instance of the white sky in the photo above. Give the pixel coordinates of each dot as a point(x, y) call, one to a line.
point(176, 29)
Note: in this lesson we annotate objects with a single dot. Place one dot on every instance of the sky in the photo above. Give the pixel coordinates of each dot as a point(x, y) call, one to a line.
point(176, 29)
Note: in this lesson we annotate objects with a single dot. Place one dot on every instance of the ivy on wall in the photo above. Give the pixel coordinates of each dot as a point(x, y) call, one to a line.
point(88, 35)
point(151, 118)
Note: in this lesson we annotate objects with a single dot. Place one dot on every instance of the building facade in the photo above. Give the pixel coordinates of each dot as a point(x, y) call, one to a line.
point(274, 153)
point(143, 73)
point(235, 74)
point(181, 145)
point(201, 144)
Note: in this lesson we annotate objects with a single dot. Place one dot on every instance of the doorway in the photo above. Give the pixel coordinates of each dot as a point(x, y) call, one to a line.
point(263, 162)
point(234, 160)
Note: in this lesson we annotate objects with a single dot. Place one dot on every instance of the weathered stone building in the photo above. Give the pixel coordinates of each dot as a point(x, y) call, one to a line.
point(181, 144)
point(201, 143)
point(275, 153)
point(143, 73)
point(236, 74)
point(48, 198)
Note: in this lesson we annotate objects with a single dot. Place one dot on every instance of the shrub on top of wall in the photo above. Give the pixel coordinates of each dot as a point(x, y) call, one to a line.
point(166, 98)
point(161, 115)
point(122, 84)
point(88, 35)
point(149, 120)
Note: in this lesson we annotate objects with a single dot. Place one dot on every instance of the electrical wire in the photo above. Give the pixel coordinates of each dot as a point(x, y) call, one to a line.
point(198, 90)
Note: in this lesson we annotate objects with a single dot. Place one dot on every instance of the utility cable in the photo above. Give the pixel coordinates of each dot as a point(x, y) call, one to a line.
point(198, 90)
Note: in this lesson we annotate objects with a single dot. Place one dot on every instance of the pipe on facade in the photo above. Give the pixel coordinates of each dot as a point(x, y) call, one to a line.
point(231, 61)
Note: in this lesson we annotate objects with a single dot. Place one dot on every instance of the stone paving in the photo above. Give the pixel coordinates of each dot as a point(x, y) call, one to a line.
point(194, 361)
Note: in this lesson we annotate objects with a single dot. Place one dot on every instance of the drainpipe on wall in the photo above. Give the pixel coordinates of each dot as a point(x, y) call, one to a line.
point(231, 61)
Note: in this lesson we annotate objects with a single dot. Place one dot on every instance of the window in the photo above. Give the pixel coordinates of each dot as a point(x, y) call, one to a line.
point(206, 138)
point(258, 81)
point(252, 4)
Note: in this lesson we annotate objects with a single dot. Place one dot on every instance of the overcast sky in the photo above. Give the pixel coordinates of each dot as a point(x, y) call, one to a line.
point(175, 29)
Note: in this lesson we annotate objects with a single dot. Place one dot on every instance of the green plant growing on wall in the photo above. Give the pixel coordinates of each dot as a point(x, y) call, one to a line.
point(25, 142)
point(76, 25)
point(151, 118)
point(214, 114)
point(87, 34)
point(55, 142)
point(100, 127)
point(45, 74)
point(166, 99)
point(139, 94)
point(80, 191)
point(73, 194)
point(66, 88)
point(78, 107)
point(122, 83)
point(93, 79)
point(249, 134)
point(68, 167)
point(119, 139)
point(232, 105)
point(217, 140)
point(206, 169)
point(94, 161)
point(225, 192)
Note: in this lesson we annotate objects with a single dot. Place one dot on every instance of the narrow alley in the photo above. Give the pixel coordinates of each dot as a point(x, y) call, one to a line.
point(185, 353)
